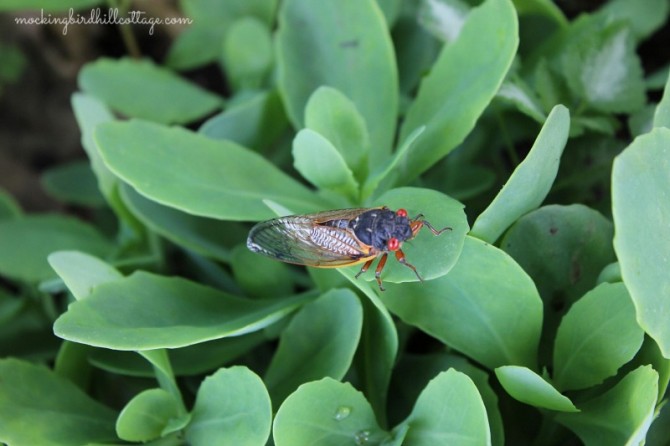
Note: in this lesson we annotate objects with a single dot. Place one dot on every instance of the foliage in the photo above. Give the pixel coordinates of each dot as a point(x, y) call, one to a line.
point(553, 307)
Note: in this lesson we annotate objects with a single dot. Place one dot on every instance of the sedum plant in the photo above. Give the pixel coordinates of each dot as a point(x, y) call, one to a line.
point(543, 316)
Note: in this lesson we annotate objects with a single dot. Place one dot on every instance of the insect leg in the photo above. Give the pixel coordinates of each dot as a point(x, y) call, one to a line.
point(365, 267)
point(400, 256)
point(418, 222)
point(378, 271)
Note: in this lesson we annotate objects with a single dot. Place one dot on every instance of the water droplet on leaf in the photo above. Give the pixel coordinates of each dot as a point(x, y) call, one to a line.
point(342, 413)
point(362, 437)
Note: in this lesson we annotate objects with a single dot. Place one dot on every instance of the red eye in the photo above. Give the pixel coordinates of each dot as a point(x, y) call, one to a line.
point(393, 244)
point(401, 213)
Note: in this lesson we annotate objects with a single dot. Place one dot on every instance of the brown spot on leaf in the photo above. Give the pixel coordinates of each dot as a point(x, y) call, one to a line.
point(353, 43)
point(575, 271)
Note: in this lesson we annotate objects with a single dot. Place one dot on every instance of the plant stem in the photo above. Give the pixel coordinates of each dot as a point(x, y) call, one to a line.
point(126, 32)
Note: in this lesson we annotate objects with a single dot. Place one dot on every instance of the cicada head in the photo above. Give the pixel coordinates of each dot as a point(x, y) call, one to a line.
point(383, 229)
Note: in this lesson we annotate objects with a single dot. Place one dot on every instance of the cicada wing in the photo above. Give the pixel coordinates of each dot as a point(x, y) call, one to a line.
point(303, 240)
point(338, 214)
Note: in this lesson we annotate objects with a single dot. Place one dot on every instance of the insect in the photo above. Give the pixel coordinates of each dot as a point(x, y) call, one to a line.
point(345, 237)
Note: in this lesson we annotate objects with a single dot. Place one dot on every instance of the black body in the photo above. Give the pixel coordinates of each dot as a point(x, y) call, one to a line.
point(375, 227)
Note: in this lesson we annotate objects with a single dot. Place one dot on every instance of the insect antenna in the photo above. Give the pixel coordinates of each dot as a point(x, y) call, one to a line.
point(435, 231)
point(418, 222)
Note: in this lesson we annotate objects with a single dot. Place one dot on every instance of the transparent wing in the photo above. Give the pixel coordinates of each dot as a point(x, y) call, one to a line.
point(304, 240)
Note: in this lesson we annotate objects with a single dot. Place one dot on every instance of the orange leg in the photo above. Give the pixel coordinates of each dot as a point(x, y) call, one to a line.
point(400, 256)
point(378, 271)
point(365, 267)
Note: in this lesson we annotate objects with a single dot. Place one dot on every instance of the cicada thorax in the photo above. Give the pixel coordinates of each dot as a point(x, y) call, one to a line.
point(382, 229)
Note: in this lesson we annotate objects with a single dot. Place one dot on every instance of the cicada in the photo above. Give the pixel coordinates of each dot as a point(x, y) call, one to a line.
point(339, 238)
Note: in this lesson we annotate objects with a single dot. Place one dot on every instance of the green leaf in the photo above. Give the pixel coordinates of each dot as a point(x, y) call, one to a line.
point(593, 154)
point(146, 415)
point(145, 311)
point(378, 348)
point(642, 171)
point(443, 18)
point(413, 372)
point(530, 182)
point(247, 55)
point(332, 115)
point(448, 411)
point(90, 112)
point(390, 9)
point(642, 121)
point(72, 363)
point(216, 179)
point(610, 274)
point(326, 278)
point(563, 248)
point(26, 242)
point(528, 387)
point(203, 235)
point(598, 335)
point(319, 341)
point(208, 272)
point(25, 329)
point(213, 11)
point(384, 171)
point(232, 407)
point(260, 276)
point(659, 431)
point(600, 123)
point(193, 47)
point(9, 208)
point(377, 351)
point(416, 50)
point(464, 181)
point(39, 407)
point(82, 272)
point(621, 415)
point(601, 66)
point(10, 306)
point(344, 44)
point(644, 18)
point(327, 413)
point(138, 89)
point(545, 8)
point(160, 362)
point(662, 113)
point(456, 91)
point(257, 122)
point(322, 164)
point(211, 20)
point(519, 94)
point(73, 183)
point(549, 84)
point(187, 361)
point(650, 354)
point(657, 79)
point(486, 307)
